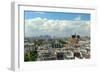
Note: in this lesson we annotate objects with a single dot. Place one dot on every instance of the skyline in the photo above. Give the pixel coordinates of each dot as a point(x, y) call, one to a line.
point(56, 23)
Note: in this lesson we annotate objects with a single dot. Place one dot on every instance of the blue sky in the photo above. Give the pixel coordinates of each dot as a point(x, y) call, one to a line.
point(56, 24)
point(56, 15)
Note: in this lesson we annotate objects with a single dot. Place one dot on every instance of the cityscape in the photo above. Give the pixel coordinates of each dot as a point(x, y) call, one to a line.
point(56, 36)
point(57, 48)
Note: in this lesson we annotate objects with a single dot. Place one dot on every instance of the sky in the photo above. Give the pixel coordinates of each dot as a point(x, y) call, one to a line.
point(61, 24)
point(56, 15)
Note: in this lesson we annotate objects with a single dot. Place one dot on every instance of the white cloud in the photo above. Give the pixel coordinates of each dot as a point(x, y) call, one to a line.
point(78, 18)
point(39, 26)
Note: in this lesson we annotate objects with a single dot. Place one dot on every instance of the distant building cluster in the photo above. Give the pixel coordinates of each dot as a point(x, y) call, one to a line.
point(74, 47)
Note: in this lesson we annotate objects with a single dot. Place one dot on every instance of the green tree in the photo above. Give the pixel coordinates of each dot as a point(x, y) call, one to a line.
point(30, 56)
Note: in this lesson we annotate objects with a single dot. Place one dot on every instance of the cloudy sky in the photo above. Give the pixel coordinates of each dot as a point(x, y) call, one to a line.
point(56, 23)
